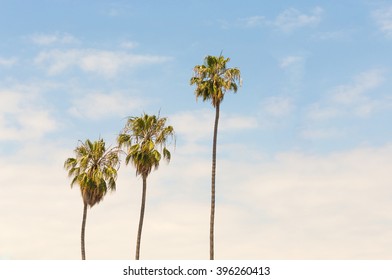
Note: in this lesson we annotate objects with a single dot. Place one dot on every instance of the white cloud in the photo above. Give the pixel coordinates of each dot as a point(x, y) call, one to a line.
point(113, 12)
point(232, 123)
point(117, 9)
point(321, 112)
point(251, 22)
point(8, 62)
point(292, 19)
point(104, 63)
point(358, 98)
point(321, 199)
point(129, 45)
point(198, 125)
point(355, 92)
point(193, 125)
point(383, 18)
point(288, 20)
point(22, 117)
point(294, 68)
point(343, 34)
point(50, 39)
point(277, 106)
point(57, 61)
point(321, 133)
point(290, 61)
point(276, 111)
point(97, 105)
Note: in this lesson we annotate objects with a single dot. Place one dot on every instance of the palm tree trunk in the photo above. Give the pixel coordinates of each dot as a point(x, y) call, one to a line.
point(83, 231)
point(212, 217)
point(139, 233)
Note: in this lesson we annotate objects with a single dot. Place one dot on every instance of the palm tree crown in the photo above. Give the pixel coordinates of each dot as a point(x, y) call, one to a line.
point(143, 137)
point(213, 79)
point(94, 169)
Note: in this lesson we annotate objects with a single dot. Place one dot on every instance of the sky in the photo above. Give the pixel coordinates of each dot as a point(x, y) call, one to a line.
point(304, 146)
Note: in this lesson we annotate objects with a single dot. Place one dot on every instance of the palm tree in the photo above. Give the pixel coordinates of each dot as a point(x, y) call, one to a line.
point(145, 140)
point(212, 80)
point(94, 169)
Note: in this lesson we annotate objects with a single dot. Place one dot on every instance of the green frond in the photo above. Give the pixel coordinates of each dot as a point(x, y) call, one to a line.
point(90, 145)
point(75, 179)
point(112, 184)
point(70, 163)
point(166, 154)
point(156, 157)
point(123, 140)
point(128, 158)
point(73, 171)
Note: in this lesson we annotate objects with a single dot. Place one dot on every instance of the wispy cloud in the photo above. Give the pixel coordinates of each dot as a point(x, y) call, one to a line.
point(294, 69)
point(197, 125)
point(54, 38)
point(355, 99)
point(290, 61)
point(288, 20)
point(318, 112)
point(355, 92)
point(275, 111)
point(321, 133)
point(99, 105)
point(359, 98)
point(129, 44)
point(22, 116)
point(277, 106)
point(101, 62)
point(232, 123)
point(343, 34)
point(8, 62)
point(117, 8)
point(252, 21)
point(383, 19)
point(292, 19)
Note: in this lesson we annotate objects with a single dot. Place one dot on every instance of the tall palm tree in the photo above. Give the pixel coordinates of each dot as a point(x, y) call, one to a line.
point(94, 169)
point(145, 140)
point(212, 80)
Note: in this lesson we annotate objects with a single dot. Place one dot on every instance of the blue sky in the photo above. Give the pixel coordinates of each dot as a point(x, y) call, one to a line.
point(305, 139)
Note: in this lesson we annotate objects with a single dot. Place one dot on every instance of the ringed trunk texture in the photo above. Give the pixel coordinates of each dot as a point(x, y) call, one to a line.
point(83, 231)
point(139, 233)
point(212, 216)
